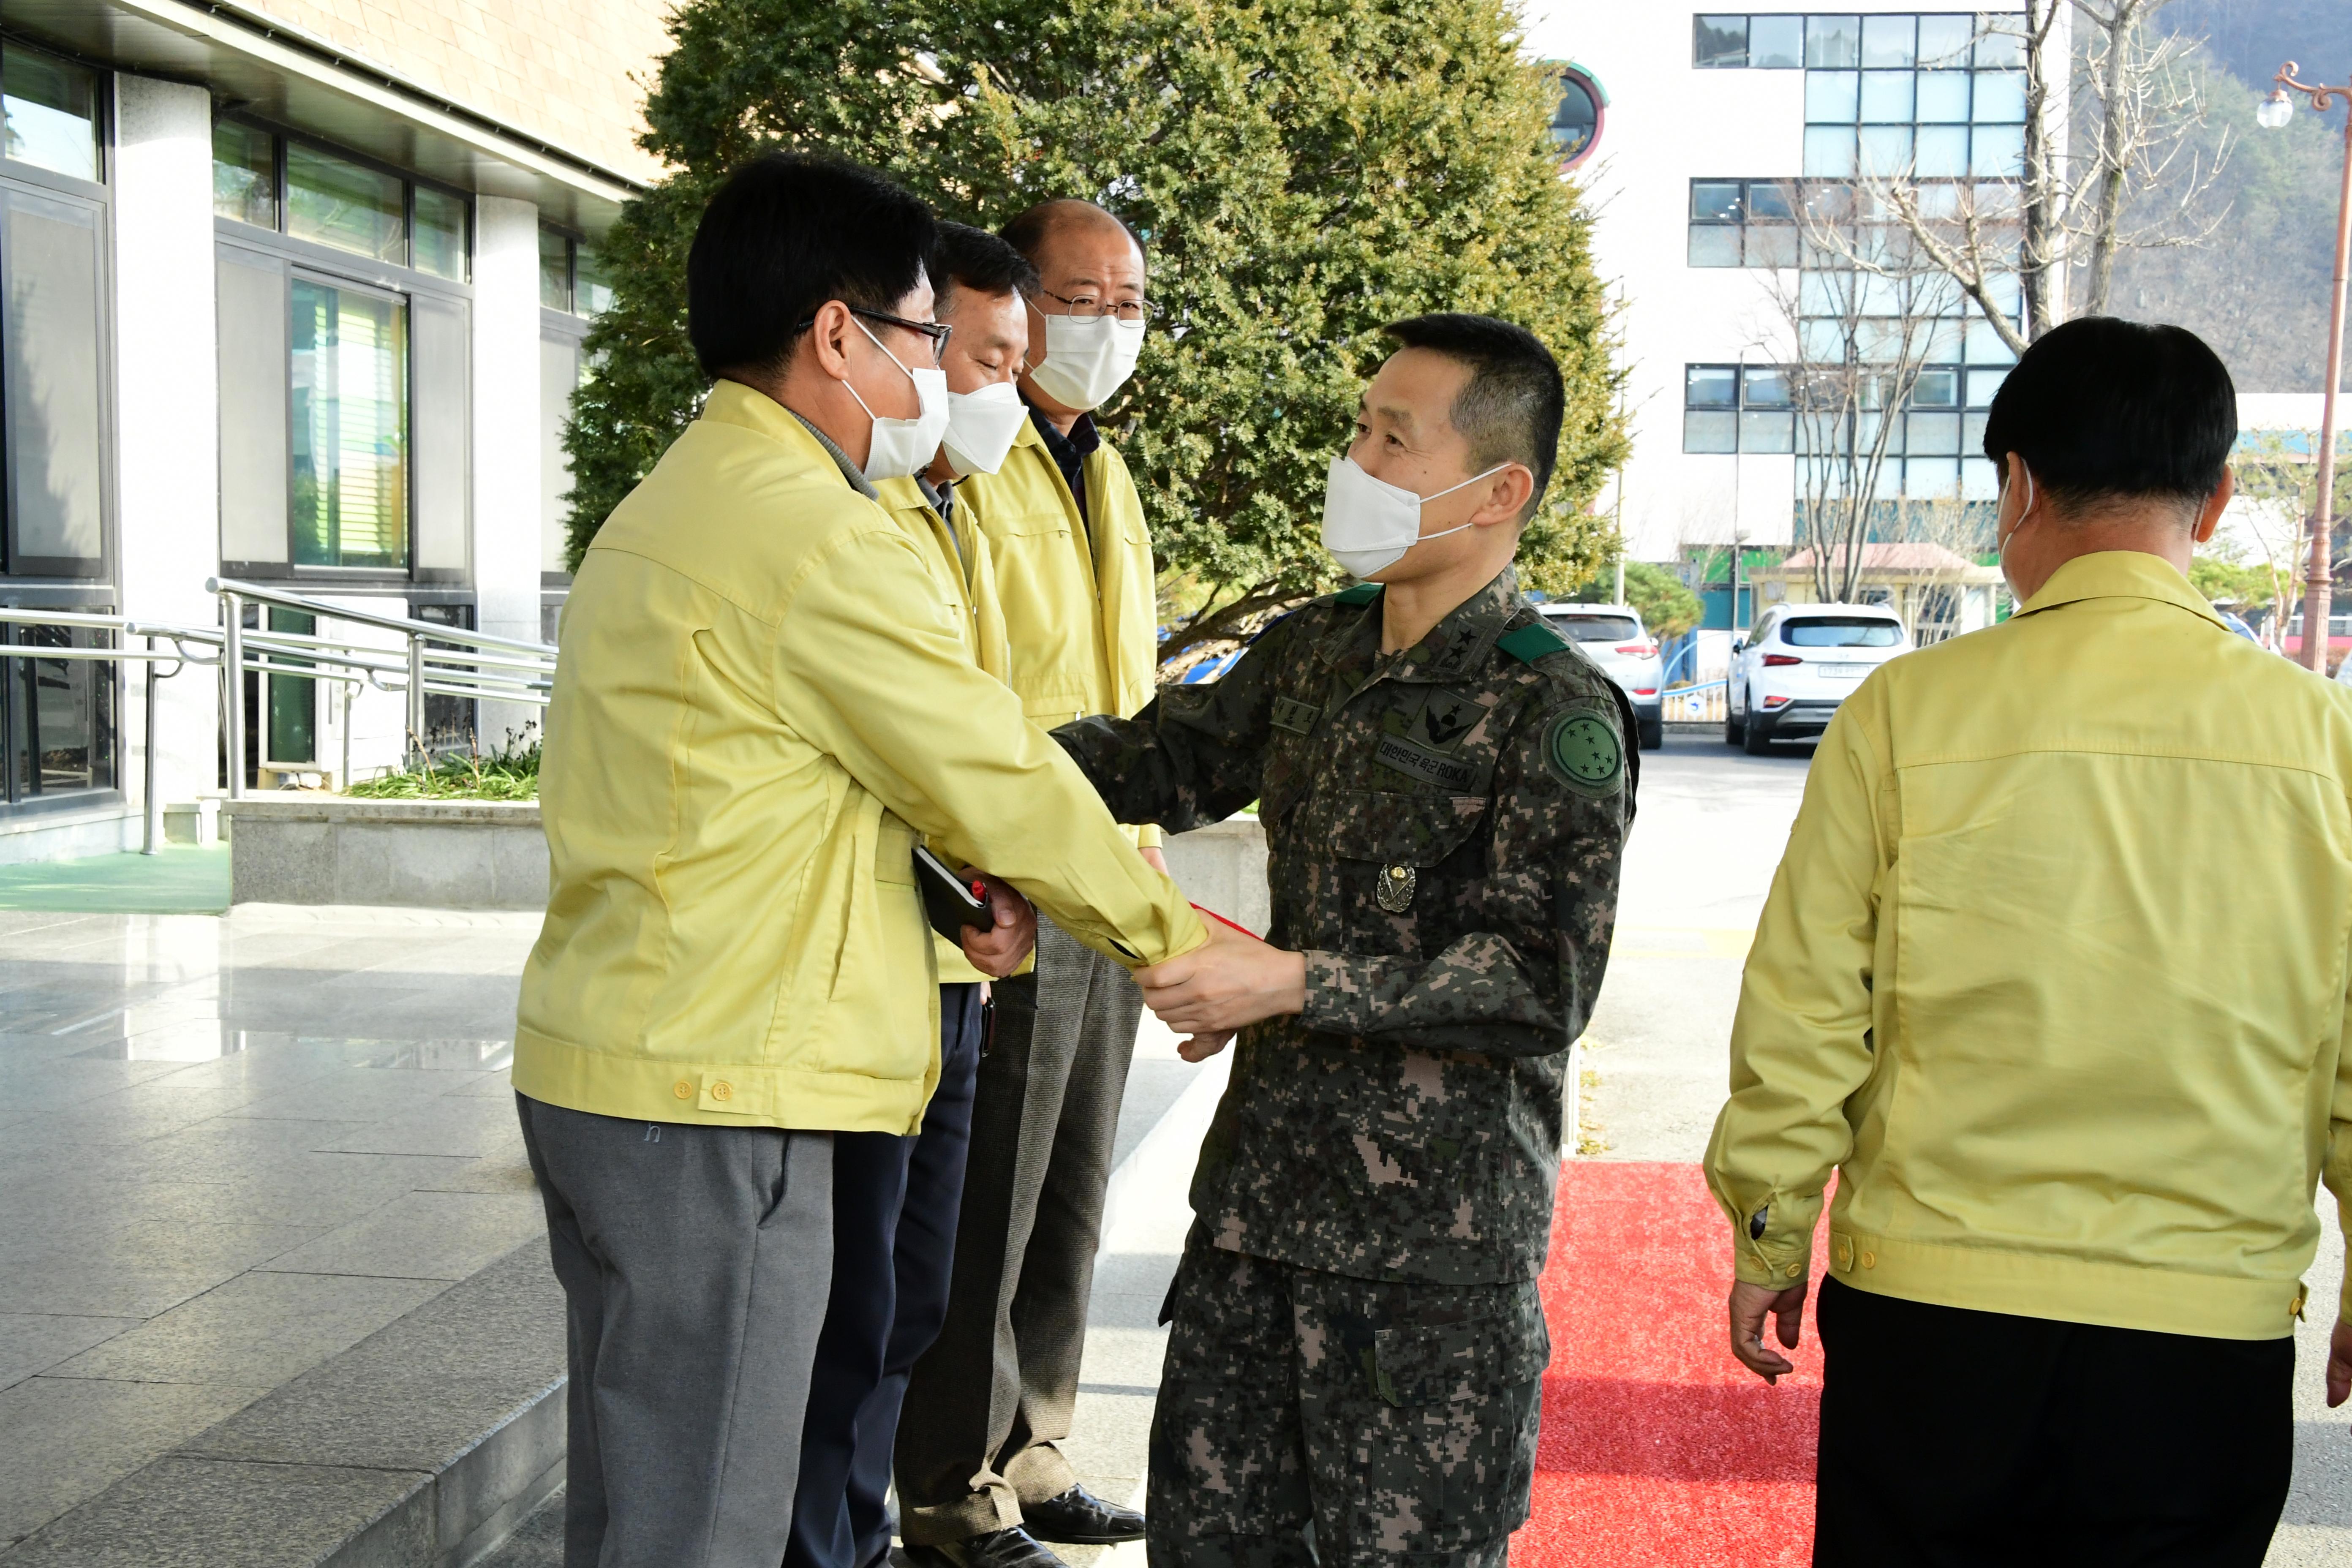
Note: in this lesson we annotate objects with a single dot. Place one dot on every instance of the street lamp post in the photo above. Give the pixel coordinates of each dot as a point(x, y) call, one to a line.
point(2318, 591)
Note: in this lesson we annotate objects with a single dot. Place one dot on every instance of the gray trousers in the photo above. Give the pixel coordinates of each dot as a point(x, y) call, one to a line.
point(696, 1262)
point(996, 1392)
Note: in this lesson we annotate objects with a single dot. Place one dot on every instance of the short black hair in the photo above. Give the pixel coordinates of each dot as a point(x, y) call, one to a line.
point(976, 259)
point(1511, 408)
point(783, 234)
point(1027, 231)
point(2102, 409)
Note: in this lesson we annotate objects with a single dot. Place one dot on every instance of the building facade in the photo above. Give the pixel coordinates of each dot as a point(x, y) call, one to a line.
point(293, 293)
point(1722, 130)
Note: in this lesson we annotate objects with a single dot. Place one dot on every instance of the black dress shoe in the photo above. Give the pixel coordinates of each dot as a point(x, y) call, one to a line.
point(1078, 1518)
point(1014, 1548)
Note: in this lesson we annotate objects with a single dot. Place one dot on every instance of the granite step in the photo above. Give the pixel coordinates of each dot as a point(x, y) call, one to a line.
point(421, 1447)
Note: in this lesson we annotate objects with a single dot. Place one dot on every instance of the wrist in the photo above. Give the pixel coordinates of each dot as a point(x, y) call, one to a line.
point(1291, 994)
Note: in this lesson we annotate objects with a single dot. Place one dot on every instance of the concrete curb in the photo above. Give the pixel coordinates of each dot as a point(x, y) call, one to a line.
point(420, 1446)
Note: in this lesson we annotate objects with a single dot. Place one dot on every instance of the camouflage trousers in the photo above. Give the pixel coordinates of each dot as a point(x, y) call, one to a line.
point(1380, 1421)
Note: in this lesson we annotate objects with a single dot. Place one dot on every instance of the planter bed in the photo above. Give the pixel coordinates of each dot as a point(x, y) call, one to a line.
point(434, 854)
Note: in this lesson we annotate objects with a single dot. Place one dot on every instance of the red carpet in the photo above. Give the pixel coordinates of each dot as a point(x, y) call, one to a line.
point(1658, 1449)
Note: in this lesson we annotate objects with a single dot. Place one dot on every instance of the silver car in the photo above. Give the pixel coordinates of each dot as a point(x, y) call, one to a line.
point(1612, 635)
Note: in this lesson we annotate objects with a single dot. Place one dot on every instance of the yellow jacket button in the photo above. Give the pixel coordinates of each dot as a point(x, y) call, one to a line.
point(1794, 1269)
point(1870, 1260)
point(683, 1090)
point(723, 1090)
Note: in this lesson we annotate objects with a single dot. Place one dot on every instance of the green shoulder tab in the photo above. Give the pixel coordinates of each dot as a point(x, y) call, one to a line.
point(1361, 594)
point(1531, 642)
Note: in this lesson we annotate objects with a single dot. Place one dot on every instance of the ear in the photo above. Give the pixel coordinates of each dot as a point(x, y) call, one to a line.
point(2208, 516)
point(1506, 496)
point(829, 339)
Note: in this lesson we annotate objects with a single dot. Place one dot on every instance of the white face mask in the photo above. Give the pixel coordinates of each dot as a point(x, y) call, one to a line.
point(981, 427)
point(2001, 550)
point(1087, 360)
point(1369, 523)
point(903, 448)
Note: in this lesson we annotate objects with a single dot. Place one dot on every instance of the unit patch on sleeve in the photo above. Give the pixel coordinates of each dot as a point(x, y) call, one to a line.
point(1584, 752)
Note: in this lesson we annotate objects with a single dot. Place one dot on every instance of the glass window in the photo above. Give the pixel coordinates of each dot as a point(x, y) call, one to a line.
point(1886, 149)
point(1931, 477)
point(1972, 430)
point(53, 391)
point(1711, 386)
point(1714, 244)
point(1772, 244)
point(1596, 628)
point(1833, 43)
point(50, 107)
point(1776, 43)
point(1840, 631)
point(1944, 40)
point(554, 270)
point(1832, 97)
point(1766, 386)
point(1998, 151)
point(1766, 431)
point(250, 293)
point(559, 377)
point(592, 292)
point(1934, 435)
point(1710, 430)
point(1572, 124)
point(1768, 201)
point(60, 716)
point(1942, 97)
point(1888, 41)
point(1985, 346)
point(1715, 201)
point(1829, 152)
point(245, 174)
point(1979, 480)
point(1943, 152)
point(2000, 43)
point(2000, 98)
point(349, 427)
point(1718, 42)
point(338, 203)
point(1982, 384)
point(293, 735)
point(1886, 97)
point(440, 233)
point(1937, 389)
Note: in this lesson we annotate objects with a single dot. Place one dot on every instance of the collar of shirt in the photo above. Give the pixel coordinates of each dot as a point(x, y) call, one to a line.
point(2119, 574)
point(849, 470)
point(1452, 647)
point(1069, 452)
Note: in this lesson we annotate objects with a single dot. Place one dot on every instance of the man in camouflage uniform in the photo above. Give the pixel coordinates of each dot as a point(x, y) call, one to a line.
point(1445, 784)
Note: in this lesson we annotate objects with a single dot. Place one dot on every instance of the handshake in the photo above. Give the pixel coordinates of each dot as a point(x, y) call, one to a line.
point(1206, 994)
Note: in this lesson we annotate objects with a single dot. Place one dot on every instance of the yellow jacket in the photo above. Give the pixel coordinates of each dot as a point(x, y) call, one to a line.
point(2053, 972)
point(957, 559)
point(761, 703)
point(1079, 603)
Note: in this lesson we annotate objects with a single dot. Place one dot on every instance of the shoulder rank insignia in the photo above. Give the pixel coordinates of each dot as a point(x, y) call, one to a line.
point(1583, 752)
point(1530, 642)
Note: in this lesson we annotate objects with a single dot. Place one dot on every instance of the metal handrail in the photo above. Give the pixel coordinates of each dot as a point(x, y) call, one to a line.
point(436, 660)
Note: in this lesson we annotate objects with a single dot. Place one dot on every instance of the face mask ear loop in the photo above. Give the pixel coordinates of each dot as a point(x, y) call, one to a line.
point(909, 374)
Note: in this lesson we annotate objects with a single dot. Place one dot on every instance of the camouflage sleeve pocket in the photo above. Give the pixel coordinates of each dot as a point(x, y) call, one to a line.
point(1444, 1362)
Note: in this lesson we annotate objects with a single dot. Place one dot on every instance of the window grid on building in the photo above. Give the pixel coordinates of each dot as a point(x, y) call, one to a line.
point(571, 275)
point(306, 192)
point(1934, 446)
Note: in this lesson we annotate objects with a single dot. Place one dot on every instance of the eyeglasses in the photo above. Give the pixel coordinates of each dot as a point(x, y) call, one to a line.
point(938, 331)
point(1086, 309)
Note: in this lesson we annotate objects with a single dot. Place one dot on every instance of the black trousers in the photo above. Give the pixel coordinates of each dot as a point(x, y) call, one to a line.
point(895, 1204)
point(1961, 1439)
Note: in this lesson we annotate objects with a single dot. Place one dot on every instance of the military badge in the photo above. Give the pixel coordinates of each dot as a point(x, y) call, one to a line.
point(1394, 887)
point(1583, 752)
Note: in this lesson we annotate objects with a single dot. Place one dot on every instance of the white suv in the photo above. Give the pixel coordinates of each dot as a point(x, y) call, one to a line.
point(1610, 635)
point(1790, 675)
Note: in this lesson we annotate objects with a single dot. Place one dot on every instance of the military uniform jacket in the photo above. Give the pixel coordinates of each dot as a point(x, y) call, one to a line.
point(1445, 825)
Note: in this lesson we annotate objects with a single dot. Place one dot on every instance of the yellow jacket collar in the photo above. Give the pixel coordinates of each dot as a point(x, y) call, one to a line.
point(732, 403)
point(2119, 574)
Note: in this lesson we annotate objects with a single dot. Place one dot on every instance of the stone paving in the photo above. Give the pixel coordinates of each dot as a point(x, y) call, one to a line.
point(233, 1149)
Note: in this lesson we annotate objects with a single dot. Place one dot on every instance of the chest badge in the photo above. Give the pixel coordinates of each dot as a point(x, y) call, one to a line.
point(1393, 888)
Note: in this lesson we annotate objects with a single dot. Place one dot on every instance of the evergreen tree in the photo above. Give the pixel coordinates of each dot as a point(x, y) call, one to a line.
point(1302, 171)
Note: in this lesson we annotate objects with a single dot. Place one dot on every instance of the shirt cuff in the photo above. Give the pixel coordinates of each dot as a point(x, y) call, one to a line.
point(1147, 835)
point(1338, 994)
